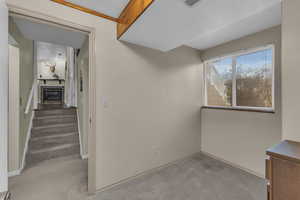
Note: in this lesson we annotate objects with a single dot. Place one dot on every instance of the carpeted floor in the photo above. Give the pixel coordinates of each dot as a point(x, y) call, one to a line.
point(197, 178)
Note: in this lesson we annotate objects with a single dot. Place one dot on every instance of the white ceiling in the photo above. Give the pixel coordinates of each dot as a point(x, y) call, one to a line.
point(168, 24)
point(112, 8)
point(50, 34)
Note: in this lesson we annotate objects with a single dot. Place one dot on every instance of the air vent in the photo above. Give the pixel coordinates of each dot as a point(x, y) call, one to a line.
point(191, 2)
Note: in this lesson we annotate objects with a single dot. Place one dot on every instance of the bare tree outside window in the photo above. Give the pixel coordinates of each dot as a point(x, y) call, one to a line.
point(254, 79)
point(245, 80)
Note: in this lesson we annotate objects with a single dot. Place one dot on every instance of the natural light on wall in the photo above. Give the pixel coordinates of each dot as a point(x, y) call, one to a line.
point(242, 81)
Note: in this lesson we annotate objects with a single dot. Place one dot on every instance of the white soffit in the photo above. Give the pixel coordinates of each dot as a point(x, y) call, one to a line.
point(51, 34)
point(167, 24)
point(111, 8)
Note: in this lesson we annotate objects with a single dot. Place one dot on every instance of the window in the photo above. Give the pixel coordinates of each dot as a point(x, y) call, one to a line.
point(242, 81)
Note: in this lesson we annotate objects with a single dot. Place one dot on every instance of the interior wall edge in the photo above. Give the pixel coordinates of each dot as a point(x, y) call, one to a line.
point(233, 164)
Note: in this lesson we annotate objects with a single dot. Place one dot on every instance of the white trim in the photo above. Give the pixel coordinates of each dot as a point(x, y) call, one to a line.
point(19, 171)
point(204, 95)
point(150, 171)
point(234, 56)
point(27, 142)
point(91, 31)
point(39, 17)
point(35, 75)
point(84, 156)
point(233, 100)
point(240, 52)
point(12, 41)
point(242, 108)
point(79, 133)
point(30, 98)
point(178, 161)
point(4, 69)
point(233, 164)
point(14, 173)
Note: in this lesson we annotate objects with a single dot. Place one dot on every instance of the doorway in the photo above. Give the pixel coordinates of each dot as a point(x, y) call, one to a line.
point(83, 84)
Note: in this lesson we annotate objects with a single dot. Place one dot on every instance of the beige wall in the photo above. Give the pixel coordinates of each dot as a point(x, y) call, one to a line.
point(83, 96)
point(242, 137)
point(149, 109)
point(26, 80)
point(147, 102)
point(291, 70)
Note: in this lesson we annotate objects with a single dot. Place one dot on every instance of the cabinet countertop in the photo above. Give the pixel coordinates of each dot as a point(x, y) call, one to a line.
point(286, 150)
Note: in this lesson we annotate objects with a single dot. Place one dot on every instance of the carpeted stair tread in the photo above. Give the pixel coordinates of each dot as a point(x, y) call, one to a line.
point(43, 121)
point(50, 126)
point(42, 113)
point(55, 116)
point(54, 135)
point(50, 131)
point(57, 136)
point(33, 159)
point(52, 148)
point(52, 142)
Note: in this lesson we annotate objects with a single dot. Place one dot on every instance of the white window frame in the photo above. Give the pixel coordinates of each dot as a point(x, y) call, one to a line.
point(234, 56)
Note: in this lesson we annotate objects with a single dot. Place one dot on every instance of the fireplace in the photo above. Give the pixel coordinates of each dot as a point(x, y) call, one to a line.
point(52, 94)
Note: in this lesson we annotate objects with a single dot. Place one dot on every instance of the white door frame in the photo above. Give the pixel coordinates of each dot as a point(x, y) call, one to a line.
point(3, 96)
point(13, 108)
point(46, 19)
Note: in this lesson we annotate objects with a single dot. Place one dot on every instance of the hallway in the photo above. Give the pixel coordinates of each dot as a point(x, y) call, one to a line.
point(56, 179)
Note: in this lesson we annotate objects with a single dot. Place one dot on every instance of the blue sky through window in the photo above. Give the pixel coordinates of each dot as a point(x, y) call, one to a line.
point(224, 66)
point(248, 62)
point(254, 62)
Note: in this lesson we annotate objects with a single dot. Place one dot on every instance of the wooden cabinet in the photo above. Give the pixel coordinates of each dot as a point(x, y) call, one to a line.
point(283, 171)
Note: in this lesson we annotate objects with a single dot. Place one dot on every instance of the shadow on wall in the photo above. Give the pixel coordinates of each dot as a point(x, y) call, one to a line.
point(156, 57)
point(169, 65)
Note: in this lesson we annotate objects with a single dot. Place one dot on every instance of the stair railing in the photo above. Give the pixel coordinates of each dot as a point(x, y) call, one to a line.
point(30, 98)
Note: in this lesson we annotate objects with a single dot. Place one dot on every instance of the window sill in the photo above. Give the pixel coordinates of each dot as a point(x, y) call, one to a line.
point(239, 109)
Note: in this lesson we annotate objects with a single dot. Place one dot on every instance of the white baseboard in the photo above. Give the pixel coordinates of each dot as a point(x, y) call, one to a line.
point(146, 172)
point(175, 162)
point(79, 133)
point(14, 173)
point(233, 164)
point(27, 141)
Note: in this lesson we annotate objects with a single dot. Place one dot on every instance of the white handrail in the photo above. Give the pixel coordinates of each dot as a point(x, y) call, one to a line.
point(30, 98)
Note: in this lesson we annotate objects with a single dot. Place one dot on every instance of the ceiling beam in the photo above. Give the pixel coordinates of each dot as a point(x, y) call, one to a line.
point(87, 10)
point(133, 10)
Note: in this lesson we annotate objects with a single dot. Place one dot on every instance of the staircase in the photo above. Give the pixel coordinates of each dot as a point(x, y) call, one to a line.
point(215, 99)
point(54, 134)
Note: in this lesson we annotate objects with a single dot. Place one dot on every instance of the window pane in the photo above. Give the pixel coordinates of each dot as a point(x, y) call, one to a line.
point(219, 83)
point(254, 79)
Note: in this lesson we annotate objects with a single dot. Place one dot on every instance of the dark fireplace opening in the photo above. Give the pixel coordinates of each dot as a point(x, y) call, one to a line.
point(52, 94)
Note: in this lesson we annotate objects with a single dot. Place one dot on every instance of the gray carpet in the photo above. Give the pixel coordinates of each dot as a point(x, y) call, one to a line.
point(197, 178)
point(54, 134)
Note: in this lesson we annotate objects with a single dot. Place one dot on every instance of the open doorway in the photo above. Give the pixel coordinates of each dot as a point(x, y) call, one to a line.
point(53, 100)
